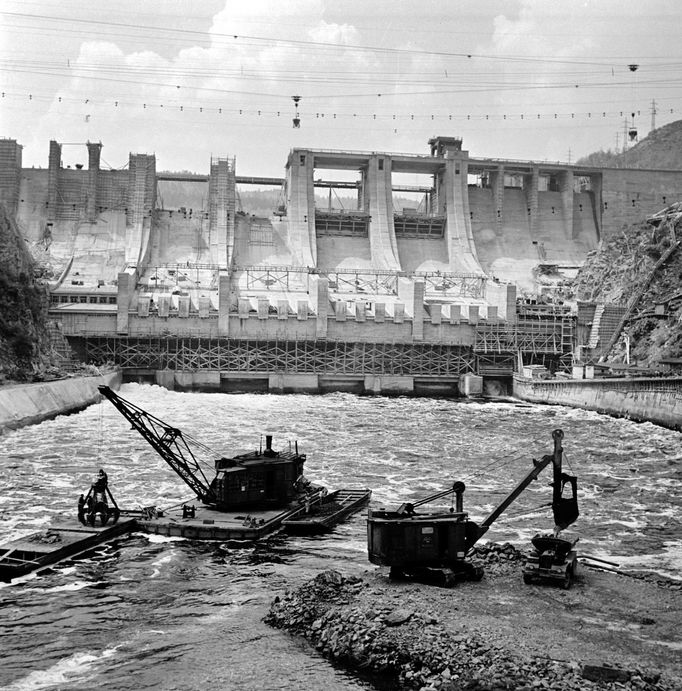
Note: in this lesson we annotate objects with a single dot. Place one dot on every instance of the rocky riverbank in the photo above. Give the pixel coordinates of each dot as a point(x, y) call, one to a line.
point(609, 631)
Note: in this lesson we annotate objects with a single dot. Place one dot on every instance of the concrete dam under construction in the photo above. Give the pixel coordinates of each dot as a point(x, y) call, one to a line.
point(444, 286)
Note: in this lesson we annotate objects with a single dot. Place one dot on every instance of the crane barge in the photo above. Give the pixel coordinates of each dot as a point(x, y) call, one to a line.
point(249, 496)
point(268, 484)
point(263, 478)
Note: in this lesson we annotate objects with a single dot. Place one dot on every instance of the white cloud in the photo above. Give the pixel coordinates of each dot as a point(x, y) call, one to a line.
point(274, 57)
point(341, 34)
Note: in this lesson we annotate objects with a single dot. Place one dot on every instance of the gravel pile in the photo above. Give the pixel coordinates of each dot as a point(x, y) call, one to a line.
point(410, 649)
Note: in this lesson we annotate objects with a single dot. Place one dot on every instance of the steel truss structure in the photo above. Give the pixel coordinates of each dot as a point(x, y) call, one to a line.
point(495, 365)
point(419, 226)
point(368, 281)
point(453, 285)
point(319, 357)
point(530, 336)
point(275, 277)
point(340, 222)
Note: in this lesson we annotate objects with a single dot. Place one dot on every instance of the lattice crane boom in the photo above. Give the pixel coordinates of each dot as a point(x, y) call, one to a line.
point(168, 442)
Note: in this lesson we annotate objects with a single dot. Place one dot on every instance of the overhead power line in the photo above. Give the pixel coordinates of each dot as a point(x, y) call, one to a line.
point(545, 59)
point(72, 72)
point(329, 75)
point(211, 107)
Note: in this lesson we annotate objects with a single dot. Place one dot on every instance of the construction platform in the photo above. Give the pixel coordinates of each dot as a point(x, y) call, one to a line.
point(211, 524)
point(70, 539)
point(47, 548)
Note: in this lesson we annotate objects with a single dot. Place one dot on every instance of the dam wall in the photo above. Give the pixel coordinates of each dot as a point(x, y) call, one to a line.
point(487, 216)
point(525, 215)
point(28, 404)
point(152, 274)
point(656, 400)
point(629, 195)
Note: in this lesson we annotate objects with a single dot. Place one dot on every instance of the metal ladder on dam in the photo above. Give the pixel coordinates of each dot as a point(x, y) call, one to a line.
point(596, 325)
point(61, 348)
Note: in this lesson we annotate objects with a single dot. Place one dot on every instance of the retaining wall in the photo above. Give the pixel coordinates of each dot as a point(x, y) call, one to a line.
point(655, 400)
point(29, 404)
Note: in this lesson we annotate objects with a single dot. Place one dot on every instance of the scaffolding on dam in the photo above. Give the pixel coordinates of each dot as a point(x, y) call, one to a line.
point(287, 356)
point(493, 353)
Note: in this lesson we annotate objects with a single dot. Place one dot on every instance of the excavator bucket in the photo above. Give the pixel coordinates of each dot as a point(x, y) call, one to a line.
point(565, 509)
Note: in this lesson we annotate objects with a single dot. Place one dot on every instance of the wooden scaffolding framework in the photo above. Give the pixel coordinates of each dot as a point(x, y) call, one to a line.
point(532, 336)
point(494, 353)
point(260, 356)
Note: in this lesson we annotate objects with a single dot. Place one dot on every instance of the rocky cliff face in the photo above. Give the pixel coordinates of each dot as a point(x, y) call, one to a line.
point(24, 342)
point(619, 269)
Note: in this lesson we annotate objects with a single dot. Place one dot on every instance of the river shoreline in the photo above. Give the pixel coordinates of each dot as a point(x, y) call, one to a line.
point(609, 631)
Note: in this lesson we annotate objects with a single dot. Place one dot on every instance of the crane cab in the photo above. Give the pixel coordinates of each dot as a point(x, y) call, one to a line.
point(264, 478)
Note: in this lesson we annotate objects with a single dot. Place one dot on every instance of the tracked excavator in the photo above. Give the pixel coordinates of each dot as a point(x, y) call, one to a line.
point(433, 547)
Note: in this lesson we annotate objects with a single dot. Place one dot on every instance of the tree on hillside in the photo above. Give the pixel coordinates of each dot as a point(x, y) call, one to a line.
point(602, 159)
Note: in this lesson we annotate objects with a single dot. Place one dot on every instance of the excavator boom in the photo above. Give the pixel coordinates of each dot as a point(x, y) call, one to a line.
point(168, 442)
point(565, 510)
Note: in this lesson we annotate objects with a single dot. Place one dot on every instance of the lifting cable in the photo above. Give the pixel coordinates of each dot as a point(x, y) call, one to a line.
point(101, 432)
point(501, 463)
point(529, 511)
point(498, 463)
point(568, 463)
point(203, 447)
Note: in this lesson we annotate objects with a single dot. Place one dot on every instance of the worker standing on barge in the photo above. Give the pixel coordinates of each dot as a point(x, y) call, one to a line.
point(101, 482)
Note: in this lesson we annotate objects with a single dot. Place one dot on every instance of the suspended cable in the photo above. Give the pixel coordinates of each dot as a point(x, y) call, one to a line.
point(527, 512)
point(215, 108)
point(321, 44)
point(317, 98)
point(498, 463)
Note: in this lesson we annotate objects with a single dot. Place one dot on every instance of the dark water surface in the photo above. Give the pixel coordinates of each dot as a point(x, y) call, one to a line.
point(158, 613)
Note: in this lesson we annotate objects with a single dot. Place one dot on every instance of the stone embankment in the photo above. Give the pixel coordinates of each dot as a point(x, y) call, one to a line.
point(28, 404)
point(608, 632)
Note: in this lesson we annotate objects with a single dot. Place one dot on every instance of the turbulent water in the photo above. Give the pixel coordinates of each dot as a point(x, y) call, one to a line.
point(172, 614)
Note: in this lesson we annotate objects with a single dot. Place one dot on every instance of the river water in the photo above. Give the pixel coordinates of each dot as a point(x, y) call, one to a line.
point(157, 613)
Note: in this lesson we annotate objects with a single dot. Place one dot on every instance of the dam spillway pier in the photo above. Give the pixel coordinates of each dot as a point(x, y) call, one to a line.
point(377, 296)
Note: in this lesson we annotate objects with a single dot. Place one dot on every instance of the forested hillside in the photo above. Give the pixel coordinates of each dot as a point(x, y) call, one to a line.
point(661, 148)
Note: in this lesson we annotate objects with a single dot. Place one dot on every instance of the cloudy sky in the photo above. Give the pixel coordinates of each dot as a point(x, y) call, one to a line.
point(190, 79)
